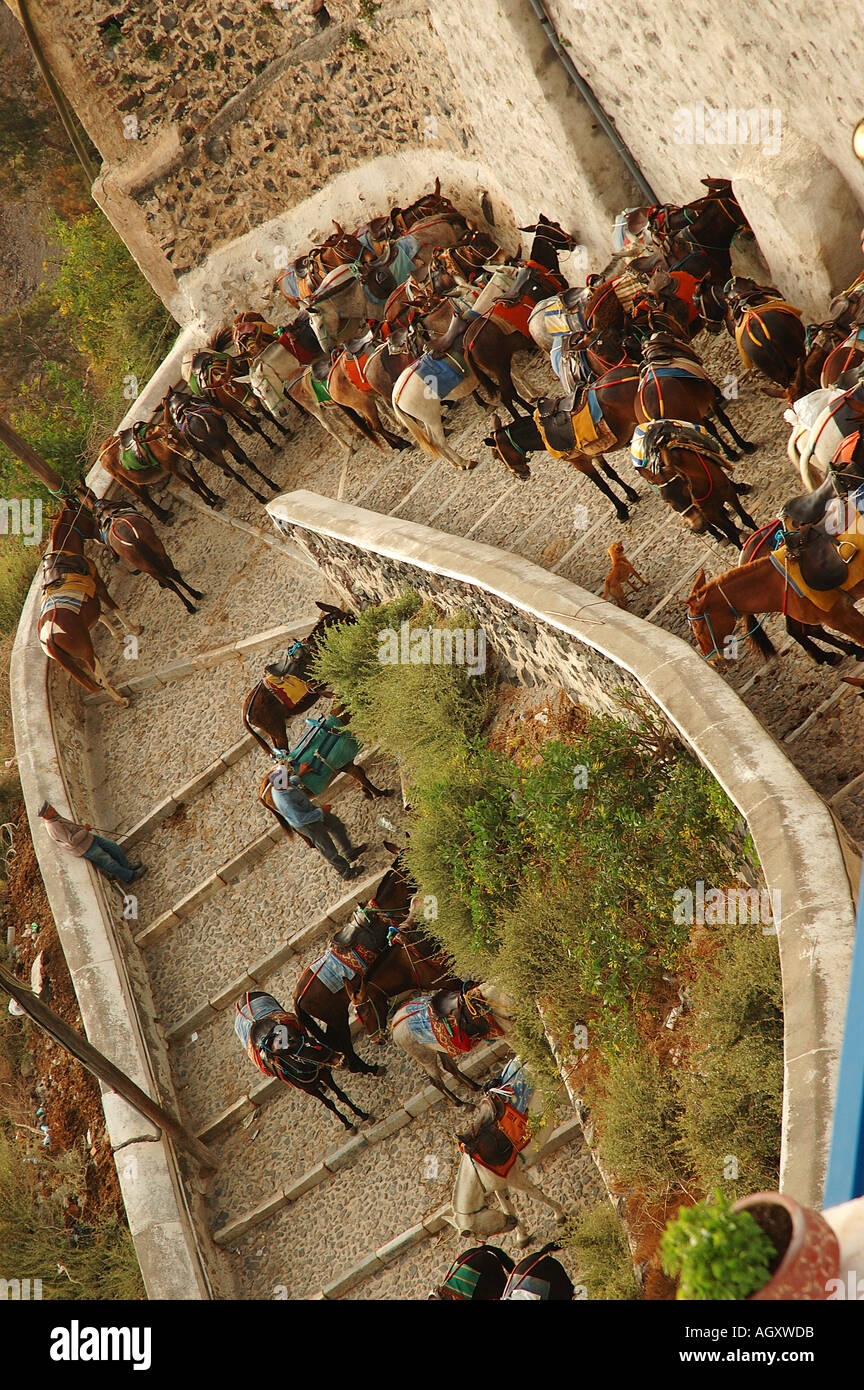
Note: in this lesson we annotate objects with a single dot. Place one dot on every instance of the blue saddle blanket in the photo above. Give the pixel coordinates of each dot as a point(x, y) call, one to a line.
point(515, 1085)
point(258, 1008)
point(594, 405)
point(331, 971)
point(441, 375)
point(416, 1014)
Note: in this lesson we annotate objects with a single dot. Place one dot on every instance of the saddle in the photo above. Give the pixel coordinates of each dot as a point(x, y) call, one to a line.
point(573, 422)
point(358, 347)
point(462, 1017)
point(58, 564)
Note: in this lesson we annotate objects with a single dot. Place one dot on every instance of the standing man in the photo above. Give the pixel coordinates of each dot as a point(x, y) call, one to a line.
point(83, 842)
point(316, 823)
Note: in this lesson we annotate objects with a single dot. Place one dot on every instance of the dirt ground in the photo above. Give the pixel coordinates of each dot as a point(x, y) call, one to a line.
point(55, 1082)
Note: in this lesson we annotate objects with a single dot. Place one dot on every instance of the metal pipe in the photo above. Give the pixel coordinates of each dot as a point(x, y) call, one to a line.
point(57, 96)
point(591, 101)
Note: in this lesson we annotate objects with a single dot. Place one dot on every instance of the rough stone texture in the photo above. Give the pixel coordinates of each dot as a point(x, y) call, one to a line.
point(218, 123)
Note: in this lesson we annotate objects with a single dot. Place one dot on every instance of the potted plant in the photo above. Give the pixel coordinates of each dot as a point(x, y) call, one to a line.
point(716, 1252)
point(808, 1253)
point(763, 1247)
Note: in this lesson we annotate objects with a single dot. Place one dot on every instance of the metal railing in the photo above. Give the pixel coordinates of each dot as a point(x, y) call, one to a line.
point(845, 1179)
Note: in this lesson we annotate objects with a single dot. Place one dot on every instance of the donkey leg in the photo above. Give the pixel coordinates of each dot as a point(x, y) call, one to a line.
point(629, 492)
point(523, 1235)
point(518, 1177)
point(799, 633)
point(197, 484)
point(346, 1100)
point(745, 445)
point(242, 457)
point(318, 1091)
point(447, 1064)
point(715, 434)
point(621, 510)
point(106, 684)
point(230, 472)
point(370, 791)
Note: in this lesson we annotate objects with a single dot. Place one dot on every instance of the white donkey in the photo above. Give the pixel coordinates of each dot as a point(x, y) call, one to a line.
point(481, 1204)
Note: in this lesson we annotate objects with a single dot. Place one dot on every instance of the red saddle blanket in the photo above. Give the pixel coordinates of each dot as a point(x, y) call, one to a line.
point(454, 1040)
point(514, 316)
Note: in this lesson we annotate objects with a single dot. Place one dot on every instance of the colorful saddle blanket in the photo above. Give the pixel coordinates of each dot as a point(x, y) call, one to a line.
point(418, 1016)
point(72, 591)
point(289, 689)
point(442, 375)
point(335, 967)
point(281, 1049)
point(579, 425)
point(135, 455)
point(637, 443)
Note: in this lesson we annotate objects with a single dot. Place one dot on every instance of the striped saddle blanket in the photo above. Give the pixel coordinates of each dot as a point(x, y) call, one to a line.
point(72, 592)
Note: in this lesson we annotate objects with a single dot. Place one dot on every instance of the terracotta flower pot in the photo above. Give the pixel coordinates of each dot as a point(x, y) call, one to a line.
point(807, 1248)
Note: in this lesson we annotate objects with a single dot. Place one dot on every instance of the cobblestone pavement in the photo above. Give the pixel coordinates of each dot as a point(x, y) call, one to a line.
point(131, 759)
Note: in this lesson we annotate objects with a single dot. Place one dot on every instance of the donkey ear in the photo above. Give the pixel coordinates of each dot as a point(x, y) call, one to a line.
point(699, 581)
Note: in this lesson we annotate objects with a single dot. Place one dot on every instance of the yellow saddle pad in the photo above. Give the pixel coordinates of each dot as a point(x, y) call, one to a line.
point(851, 545)
point(72, 591)
point(290, 689)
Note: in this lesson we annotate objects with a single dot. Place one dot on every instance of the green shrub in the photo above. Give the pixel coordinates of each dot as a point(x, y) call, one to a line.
point(35, 1239)
point(599, 1245)
point(731, 1087)
point(716, 1252)
point(638, 1124)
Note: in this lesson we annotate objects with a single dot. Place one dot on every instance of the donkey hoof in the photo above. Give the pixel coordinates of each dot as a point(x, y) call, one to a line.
point(369, 1119)
point(352, 1129)
point(378, 1071)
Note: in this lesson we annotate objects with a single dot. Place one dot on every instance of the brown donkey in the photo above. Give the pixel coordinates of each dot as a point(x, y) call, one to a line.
point(129, 536)
point(74, 599)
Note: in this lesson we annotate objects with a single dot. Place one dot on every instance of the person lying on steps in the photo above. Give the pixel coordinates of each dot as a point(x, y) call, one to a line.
point(318, 823)
point(80, 840)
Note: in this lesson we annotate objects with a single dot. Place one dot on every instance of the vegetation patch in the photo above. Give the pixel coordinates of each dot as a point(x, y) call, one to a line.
point(552, 852)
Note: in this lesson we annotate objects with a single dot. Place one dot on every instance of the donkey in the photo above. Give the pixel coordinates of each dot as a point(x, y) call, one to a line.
point(202, 427)
point(278, 1046)
point(130, 537)
point(74, 599)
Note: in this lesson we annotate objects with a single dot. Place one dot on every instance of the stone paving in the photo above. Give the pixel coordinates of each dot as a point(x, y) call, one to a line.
point(129, 760)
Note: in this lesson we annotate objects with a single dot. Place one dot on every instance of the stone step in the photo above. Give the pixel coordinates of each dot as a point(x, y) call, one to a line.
point(202, 661)
point(400, 1245)
point(348, 1151)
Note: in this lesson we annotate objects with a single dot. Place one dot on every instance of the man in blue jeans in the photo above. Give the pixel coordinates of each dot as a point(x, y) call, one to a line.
point(81, 841)
point(315, 823)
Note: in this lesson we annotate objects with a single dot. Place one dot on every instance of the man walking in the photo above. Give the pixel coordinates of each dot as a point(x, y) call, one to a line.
point(316, 823)
point(83, 842)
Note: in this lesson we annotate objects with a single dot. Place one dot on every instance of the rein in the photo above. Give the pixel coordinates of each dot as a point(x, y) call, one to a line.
point(705, 618)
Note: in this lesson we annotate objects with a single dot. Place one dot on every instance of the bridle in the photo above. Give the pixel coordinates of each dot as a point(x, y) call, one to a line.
point(706, 619)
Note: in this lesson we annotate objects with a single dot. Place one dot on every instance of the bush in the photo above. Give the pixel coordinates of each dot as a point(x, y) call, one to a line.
point(731, 1088)
point(638, 1122)
point(35, 1237)
point(718, 1253)
point(599, 1245)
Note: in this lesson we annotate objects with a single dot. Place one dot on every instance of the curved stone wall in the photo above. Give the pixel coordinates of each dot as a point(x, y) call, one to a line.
point(550, 629)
